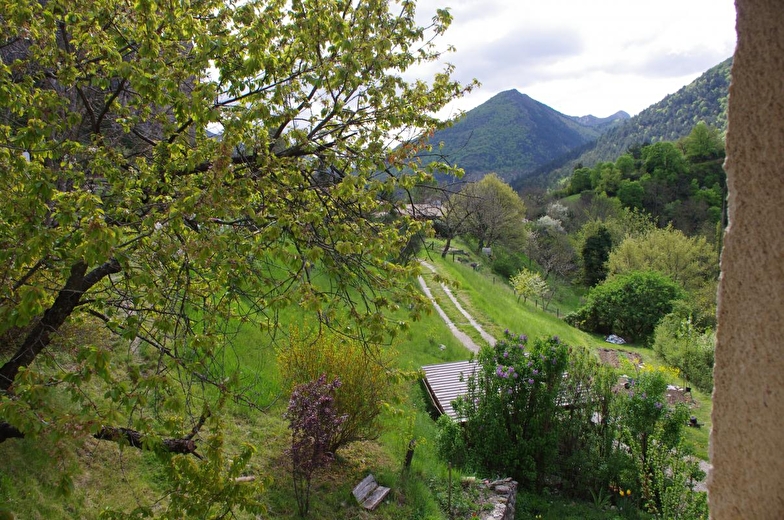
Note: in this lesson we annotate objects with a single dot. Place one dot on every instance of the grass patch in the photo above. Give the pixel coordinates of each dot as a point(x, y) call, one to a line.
point(494, 305)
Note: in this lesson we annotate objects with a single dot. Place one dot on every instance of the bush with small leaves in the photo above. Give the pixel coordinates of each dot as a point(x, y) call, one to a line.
point(314, 422)
point(368, 379)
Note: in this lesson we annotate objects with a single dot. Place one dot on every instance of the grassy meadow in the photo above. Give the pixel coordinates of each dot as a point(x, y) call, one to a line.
point(33, 486)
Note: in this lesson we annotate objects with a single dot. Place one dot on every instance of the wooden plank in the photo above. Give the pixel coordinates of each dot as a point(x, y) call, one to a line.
point(378, 495)
point(365, 488)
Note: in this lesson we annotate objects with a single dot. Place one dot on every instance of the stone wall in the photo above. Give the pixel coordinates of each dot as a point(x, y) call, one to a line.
point(502, 497)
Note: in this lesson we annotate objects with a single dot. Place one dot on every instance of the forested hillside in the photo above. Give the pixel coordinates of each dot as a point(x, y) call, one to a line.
point(705, 99)
point(512, 135)
point(679, 183)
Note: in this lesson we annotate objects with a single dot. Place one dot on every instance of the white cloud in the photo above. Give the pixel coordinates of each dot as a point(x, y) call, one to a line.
point(581, 56)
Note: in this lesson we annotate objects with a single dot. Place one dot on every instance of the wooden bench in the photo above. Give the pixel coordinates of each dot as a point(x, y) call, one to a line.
point(369, 494)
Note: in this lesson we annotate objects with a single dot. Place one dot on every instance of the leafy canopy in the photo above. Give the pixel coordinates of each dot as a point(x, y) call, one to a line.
point(123, 208)
point(630, 305)
point(495, 211)
point(528, 284)
point(691, 262)
point(368, 380)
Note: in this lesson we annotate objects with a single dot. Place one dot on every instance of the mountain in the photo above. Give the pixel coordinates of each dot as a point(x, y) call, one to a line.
point(704, 99)
point(512, 134)
point(600, 122)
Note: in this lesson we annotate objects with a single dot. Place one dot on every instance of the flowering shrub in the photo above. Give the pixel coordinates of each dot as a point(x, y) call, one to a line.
point(546, 413)
point(511, 405)
point(314, 423)
point(365, 372)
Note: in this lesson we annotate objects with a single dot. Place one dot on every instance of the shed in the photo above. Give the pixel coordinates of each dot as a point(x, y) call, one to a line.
point(446, 382)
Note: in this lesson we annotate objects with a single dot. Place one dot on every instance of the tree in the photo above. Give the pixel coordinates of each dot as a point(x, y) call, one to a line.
point(630, 305)
point(691, 262)
point(496, 212)
point(549, 246)
point(610, 179)
point(631, 194)
point(528, 284)
point(595, 252)
point(123, 209)
point(454, 218)
point(703, 143)
point(580, 181)
point(625, 163)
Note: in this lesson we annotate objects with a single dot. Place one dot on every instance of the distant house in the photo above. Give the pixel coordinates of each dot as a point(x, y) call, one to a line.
point(426, 211)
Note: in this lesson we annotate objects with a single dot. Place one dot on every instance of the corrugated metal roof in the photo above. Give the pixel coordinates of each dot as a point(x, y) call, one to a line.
point(445, 382)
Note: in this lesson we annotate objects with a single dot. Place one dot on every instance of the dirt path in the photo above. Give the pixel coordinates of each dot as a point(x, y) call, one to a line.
point(461, 336)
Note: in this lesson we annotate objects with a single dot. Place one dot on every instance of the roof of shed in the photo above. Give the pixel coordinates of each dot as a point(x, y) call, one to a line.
point(445, 382)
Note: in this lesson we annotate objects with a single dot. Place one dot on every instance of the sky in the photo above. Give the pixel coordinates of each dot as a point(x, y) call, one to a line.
point(583, 57)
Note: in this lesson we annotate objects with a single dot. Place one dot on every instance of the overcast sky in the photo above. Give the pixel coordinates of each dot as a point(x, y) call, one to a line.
point(585, 56)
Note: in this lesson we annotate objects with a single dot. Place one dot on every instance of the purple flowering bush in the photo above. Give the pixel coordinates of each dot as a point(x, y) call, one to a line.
point(548, 414)
point(511, 406)
point(314, 422)
point(539, 411)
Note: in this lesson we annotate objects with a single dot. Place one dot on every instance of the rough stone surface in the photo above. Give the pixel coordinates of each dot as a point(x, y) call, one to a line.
point(747, 441)
point(502, 498)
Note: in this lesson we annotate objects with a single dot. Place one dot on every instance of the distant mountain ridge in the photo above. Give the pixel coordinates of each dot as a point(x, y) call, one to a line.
point(704, 99)
point(600, 122)
point(512, 134)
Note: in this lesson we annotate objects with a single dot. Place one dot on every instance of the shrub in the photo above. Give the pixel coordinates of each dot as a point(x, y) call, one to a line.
point(314, 423)
point(685, 347)
point(629, 305)
point(367, 379)
point(510, 407)
point(652, 430)
point(526, 419)
point(449, 441)
point(587, 427)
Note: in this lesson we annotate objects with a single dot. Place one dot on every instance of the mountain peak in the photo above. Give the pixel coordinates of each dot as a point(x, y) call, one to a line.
point(510, 134)
point(601, 122)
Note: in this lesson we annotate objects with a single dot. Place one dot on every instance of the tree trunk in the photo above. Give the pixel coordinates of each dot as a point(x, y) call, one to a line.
point(67, 299)
point(184, 445)
point(549, 299)
point(446, 247)
point(8, 431)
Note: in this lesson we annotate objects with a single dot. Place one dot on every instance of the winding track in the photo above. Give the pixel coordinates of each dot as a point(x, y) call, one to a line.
point(457, 333)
